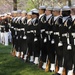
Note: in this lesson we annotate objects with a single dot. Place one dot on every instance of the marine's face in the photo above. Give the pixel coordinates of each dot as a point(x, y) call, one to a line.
point(56, 13)
point(34, 16)
point(23, 14)
point(14, 14)
point(29, 16)
point(18, 14)
point(40, 11)
point(47, 12)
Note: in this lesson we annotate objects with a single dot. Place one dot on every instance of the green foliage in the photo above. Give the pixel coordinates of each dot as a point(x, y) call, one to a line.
point(30, 5)
point(10, 65)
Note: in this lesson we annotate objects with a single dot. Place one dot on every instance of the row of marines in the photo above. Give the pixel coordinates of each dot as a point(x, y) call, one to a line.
point(5, 33)
point(45, 37)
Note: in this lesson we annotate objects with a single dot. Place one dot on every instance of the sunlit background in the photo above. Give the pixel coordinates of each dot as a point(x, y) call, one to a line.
point(8, 5)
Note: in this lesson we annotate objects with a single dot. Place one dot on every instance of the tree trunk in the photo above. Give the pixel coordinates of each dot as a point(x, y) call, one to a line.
point(14, 4)
point(69, 2)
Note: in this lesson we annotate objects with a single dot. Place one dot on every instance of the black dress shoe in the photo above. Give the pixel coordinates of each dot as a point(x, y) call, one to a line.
point(42, 68)
point(56, 74)
point(51, 70)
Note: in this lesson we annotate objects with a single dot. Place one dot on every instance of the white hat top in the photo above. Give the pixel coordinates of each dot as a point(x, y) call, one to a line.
point(5, 14)
point(19, 11)
point(14, 11)
point(29, 13)
point(1, 15)
point(33, 9)
point(9, 13)
point(49, 8)
point(42, 7)
point(57, 8)
point(24, 11)
point(65, 8)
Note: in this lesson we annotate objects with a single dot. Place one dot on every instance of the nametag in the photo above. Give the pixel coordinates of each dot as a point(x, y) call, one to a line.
point(45, 40)
point(24, 37)
point(35, 39)
point(52, 42)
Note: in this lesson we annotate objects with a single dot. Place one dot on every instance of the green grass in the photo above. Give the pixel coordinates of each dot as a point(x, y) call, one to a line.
point(10, 65)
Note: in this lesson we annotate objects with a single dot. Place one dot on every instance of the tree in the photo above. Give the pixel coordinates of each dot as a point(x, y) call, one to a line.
point(69, 2)
point(14, 4)
point(37, 3)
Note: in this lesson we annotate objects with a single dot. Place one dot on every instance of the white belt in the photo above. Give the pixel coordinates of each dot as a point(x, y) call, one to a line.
point(42, 30)
point(22, 29)
point(32, 31)
point(56, 33)
point(18, 29)
point(65, 34)
point(28, 31)
point(50, 32)
point(2, 26)
point(73, 34)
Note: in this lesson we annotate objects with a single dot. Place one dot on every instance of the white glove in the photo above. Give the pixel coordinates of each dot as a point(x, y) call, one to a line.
point(35, 39)
point(60, 44)
point(24, 37)
point(69, 47)
point(52, 42)
point(45, 40)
